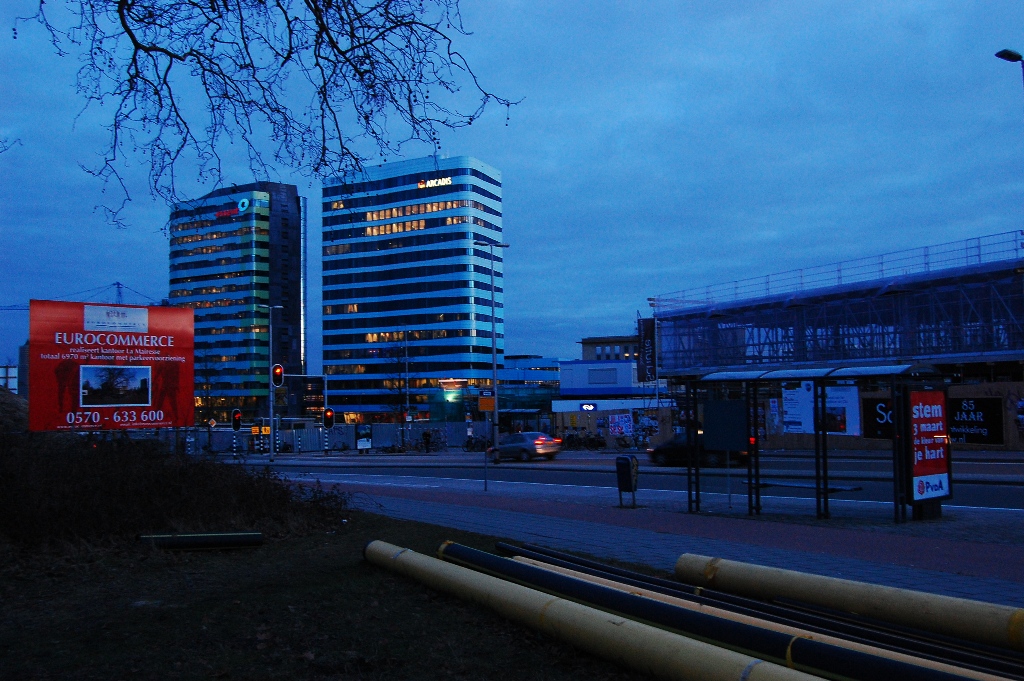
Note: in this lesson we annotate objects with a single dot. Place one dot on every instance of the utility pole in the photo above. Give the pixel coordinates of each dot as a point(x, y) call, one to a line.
point(407, 425)
point(271, 392)
point(494, 351)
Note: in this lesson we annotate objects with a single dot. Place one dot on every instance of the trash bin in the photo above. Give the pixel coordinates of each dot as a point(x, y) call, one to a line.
point(627, 470)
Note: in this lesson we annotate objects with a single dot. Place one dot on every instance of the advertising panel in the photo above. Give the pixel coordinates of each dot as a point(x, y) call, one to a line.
point(877, 413)
point(842, 410)
point(364, 435)
point(798, 407)
point(976, 420)
point(109, 367)
point(929, 464)
point(620, 424)
point(647, 356)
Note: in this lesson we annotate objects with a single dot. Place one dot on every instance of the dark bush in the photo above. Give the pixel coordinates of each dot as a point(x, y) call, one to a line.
point(77, 489)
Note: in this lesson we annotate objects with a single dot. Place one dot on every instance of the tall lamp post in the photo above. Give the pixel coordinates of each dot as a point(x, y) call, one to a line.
point(494, 352)
point(1011, 56)
point(271, 396)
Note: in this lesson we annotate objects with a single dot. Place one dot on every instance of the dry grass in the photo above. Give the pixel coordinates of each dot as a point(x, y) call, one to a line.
point(81, 599)
point(298, 608)
point(76, 491)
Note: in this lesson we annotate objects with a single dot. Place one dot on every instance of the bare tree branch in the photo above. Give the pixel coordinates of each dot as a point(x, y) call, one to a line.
point(186, 77)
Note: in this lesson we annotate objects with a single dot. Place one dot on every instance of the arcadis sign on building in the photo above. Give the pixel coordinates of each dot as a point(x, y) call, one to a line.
point(109, 367)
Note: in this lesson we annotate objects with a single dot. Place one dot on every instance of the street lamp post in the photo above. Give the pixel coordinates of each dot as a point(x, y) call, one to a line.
point(1011, 56)
point(494, 353)
point(270, 372)
point(407, 417)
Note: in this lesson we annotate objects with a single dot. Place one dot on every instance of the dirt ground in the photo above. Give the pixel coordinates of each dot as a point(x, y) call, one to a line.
point(298, 608)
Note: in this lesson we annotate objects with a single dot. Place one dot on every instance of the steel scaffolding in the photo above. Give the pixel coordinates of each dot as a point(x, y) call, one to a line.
point(947, 303)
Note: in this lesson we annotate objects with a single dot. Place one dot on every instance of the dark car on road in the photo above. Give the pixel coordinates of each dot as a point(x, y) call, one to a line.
point(525, 446)
point(675, 452)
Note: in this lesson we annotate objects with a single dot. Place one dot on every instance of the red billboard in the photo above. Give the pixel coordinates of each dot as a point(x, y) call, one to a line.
point(929, 465)
point(109, 367)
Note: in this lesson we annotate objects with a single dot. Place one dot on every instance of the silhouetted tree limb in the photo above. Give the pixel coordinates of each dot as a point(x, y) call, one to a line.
point(321, 86)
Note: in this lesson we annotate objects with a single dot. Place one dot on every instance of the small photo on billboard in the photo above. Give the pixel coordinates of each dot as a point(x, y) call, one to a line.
point(835, 419)
point(115, 386)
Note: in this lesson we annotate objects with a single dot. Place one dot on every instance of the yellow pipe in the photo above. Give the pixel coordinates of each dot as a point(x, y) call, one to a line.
point(987, 623)
point(764, 624)
point(641, 647)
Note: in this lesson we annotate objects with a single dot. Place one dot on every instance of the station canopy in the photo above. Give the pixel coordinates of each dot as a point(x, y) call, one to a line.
point(819, 373)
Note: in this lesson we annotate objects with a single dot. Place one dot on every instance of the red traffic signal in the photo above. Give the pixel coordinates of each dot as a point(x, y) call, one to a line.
point(328, 418)
point(277, 375)
point(236, 420)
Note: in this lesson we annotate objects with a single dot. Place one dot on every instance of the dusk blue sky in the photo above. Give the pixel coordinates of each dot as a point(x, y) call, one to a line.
point(659, 146)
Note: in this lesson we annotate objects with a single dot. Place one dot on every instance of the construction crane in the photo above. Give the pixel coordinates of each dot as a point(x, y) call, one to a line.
point(118, 291)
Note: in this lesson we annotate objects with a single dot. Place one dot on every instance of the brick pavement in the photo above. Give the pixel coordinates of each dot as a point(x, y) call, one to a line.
point(971, 553)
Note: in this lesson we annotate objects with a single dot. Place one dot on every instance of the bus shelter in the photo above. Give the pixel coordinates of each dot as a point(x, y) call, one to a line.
point(735, 425)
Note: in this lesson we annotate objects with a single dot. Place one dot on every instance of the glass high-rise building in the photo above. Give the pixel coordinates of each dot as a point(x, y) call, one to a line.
point(231, 252)
point(406, 293)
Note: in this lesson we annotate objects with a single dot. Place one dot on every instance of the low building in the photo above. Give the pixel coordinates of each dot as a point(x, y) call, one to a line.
point(528, 385)
point(600, 394)
point(610, 348)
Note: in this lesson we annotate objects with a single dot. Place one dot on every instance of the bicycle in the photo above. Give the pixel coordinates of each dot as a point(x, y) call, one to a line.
point(439, 440)
point(475, 444)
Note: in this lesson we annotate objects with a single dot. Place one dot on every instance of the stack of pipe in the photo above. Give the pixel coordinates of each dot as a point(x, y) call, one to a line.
point(639, 646)
point(672, 631)
point(986, 623)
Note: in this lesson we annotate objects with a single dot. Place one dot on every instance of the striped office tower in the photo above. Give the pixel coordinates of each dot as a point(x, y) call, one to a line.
point(407, 294)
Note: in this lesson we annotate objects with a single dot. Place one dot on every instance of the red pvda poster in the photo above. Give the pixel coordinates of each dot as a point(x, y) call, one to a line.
point(929, 467)
point(109, 367)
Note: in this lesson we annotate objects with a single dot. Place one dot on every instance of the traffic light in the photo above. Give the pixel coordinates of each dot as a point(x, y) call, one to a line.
point(277, 375)
point(328, 418)
point(236, 420)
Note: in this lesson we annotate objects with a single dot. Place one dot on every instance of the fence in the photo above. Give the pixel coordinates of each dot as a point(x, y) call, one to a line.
point(976, 251)
point(340, 438)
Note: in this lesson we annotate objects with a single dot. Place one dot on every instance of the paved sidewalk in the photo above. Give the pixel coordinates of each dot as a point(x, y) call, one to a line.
point(971, 553)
